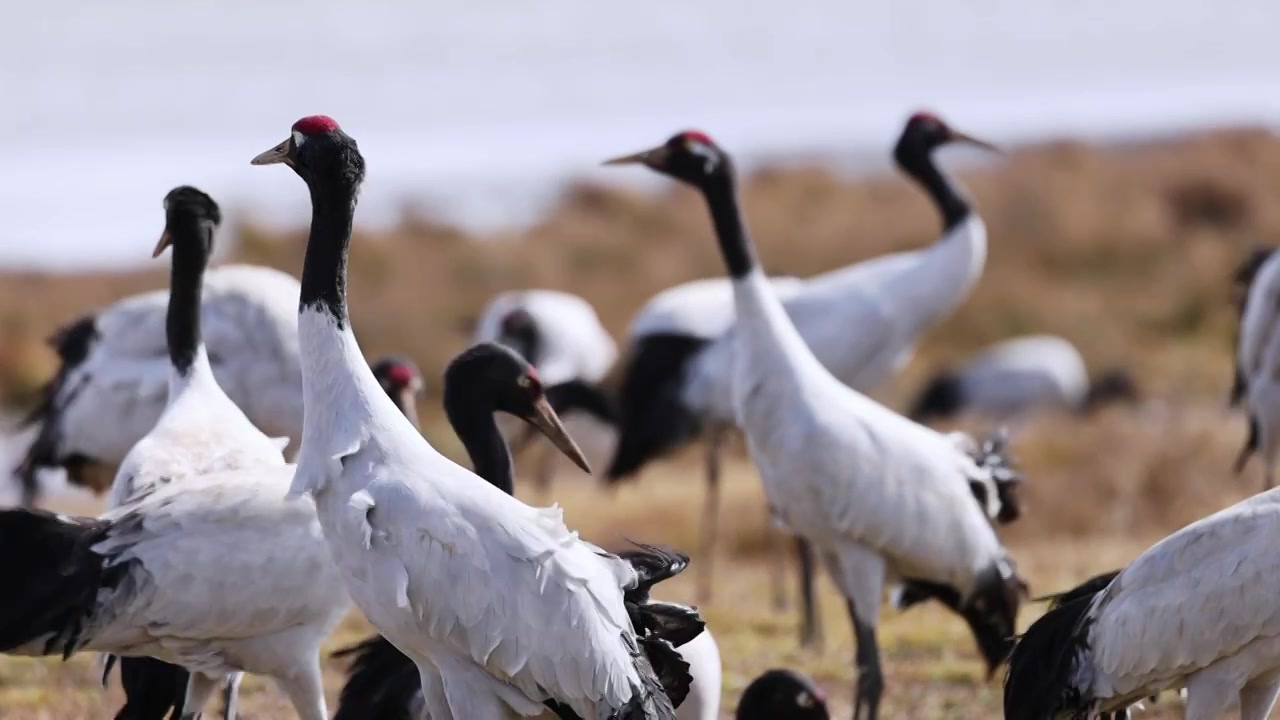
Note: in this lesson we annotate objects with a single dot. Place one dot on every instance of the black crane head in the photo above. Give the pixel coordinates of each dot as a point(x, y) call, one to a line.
point(519, 331)
point(186, 207)
point(925, 132)
point(401, 380)
point(783, 695)
point(690, 156)
point(319, 152)
point(497, 378)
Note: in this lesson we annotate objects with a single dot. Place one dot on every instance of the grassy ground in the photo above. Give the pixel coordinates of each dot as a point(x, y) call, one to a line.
point(1125, 250)
point(933, 671)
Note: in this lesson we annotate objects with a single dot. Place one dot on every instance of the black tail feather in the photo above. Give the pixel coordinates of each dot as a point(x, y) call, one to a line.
point(653, 564)
point(652, 418)
point(1086, 589)
point(53, 578)
point(72, 343)
point(381, 682)
point(153, 689)
point(1038, 684)
point(942, 398)
point(992, 453)
point(670, 668)
point(1250, 446)
point(653, 700)
point(581, 396)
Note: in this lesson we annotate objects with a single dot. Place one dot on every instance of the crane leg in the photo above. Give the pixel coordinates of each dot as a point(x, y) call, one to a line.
point(200, 688)
point(811, 634)
point(1258, 697)
point(778, 567)
point(305, 689)
point(860, 574)
point(710, 516)
point(870, 684)
point(231, 695)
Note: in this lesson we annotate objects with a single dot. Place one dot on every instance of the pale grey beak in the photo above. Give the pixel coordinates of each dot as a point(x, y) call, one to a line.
point(165, 241)
point(277, 154)
point(546, 420)
point(653, 157)
point(971, 140)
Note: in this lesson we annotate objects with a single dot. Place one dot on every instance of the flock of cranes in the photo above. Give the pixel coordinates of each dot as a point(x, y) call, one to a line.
point(218, 556)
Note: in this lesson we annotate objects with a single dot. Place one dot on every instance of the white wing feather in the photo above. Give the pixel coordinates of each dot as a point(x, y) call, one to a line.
point(1199, 595)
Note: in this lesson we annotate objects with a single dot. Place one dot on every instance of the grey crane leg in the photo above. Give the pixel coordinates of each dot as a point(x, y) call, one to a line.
point(231, 695)
point(811, 633)
point(778, 568)
point(710, 516)
point(200, 688)
point(870, 683)
point(1258, 697)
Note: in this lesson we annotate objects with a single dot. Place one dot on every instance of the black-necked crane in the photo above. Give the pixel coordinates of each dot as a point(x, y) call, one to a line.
point(782, 695)
point(162, 577)
point(676, 385)
point(199, 431)
point(1020, 375)
point(562, 336)
point(1197, 610)
point(383, 683)
point(877, 496)
point(1257, 365)
point(113, 364)
point(153, 688)
point(201, 506)
point(499, 605)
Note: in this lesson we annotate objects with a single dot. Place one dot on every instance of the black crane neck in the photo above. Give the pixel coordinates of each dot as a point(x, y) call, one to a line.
point(473, 421)
point(191, 240)
point(324, 269)
point(736, 248)
point(916, 160)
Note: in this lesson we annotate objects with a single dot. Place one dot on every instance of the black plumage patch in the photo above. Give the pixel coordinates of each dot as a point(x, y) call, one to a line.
point(942, 398)
point(53, 578)
point(153, 689)
point(72, 343)
point(652, 418)
point(381, 682)
point(1038, 685)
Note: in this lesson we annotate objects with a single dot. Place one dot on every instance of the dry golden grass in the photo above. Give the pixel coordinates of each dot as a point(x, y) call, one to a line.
point(1125, 250)
point(933, 671)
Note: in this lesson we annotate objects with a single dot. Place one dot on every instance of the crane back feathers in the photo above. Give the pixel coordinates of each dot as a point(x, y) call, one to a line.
point(383, 683)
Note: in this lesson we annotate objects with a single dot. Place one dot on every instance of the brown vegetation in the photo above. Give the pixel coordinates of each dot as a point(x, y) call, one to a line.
point(1124, 250)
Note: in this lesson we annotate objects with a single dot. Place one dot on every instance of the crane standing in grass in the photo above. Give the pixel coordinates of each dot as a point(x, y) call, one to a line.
point(678, 385)
point(878, 496)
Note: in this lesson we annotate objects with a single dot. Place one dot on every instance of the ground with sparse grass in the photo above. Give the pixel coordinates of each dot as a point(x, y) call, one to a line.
point(1125, 250)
